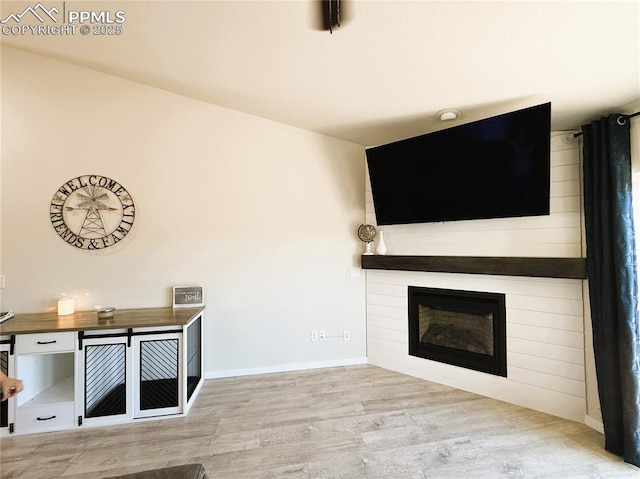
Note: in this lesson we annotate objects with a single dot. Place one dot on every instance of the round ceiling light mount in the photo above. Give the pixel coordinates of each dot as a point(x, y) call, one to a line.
point(448, 114)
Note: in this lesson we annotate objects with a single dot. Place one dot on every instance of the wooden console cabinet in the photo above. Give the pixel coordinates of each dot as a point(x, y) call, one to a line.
point(78, 370)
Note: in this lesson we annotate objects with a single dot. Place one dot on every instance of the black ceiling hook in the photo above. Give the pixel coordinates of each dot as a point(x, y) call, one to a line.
point(331, 14)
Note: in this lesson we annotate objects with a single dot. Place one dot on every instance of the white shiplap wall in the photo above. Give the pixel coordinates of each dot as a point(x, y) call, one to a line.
point(545, 319)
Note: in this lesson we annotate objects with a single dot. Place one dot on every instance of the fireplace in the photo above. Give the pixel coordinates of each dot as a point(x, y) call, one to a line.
point(462, 328)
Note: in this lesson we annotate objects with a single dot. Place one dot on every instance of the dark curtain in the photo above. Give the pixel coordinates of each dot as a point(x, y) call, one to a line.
point(611, 270)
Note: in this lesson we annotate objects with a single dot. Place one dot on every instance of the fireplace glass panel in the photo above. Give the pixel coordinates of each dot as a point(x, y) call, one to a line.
point(458, 330)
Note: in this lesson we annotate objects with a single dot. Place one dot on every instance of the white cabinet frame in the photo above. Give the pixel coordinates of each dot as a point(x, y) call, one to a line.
point(62, 385)
point(81, 380)
point(6, 348)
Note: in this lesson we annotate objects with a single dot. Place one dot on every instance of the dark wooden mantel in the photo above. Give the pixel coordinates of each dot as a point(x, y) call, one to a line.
point(572, 268)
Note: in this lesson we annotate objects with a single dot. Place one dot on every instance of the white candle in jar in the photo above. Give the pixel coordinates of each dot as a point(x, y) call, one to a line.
point(65, 306)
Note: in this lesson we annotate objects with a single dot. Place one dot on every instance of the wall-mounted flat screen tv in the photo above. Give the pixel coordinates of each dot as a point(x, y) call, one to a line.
point(492, 168)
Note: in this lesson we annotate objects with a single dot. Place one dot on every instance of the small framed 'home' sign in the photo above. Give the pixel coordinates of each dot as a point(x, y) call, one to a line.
point(188, 296)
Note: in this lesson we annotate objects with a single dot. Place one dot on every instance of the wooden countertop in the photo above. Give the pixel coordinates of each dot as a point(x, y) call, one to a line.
point(88, 320)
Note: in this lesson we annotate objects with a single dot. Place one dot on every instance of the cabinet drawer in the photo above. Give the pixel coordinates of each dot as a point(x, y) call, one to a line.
point(45, 342)
point(44, 418)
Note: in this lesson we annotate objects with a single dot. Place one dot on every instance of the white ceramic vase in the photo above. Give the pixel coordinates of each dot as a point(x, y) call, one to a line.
point(382, 247)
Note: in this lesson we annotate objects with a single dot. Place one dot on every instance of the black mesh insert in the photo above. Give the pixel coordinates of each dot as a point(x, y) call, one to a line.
point(159, 374)
point(105, 391)
point(4, 406)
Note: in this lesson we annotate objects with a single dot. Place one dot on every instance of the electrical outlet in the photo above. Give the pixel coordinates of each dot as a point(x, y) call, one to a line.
point(314, 335)
point(2, 283)
point(355, 272)
point(322, 334)
point(346, 335)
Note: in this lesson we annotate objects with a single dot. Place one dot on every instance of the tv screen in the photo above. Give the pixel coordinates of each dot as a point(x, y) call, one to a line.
point(492, 168)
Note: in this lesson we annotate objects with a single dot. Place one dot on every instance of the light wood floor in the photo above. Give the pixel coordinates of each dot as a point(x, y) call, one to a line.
point(347, 422)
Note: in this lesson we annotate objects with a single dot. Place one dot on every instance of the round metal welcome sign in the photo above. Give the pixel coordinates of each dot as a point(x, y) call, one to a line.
point(92, 212)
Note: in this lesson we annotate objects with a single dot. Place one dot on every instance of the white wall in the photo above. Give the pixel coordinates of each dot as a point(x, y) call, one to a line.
point(545, 318)
point(261, 214)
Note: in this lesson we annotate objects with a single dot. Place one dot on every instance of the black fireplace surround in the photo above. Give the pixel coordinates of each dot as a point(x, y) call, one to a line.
point(461, 328)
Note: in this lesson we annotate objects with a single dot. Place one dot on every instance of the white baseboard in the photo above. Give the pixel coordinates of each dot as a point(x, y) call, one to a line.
point(280, 368)
point(594, 423)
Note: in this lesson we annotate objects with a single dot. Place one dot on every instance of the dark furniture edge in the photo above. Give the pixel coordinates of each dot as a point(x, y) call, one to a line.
point(570, 268)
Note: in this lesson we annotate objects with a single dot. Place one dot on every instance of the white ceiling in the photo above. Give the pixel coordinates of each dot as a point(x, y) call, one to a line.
point(384, 74)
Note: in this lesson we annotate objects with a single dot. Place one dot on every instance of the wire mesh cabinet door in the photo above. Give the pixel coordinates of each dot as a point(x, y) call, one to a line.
point(193, 361)
point(106, 381)
point(7, 408)
point(157, 369)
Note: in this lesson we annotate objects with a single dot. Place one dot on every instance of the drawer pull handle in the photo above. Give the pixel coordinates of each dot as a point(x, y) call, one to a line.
point(47, 342)
point(45, 418)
